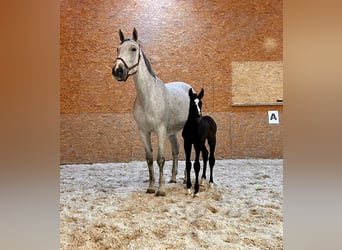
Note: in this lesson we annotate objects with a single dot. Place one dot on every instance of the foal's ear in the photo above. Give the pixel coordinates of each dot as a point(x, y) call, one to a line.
point(191, 93)
point(135, 35)
point(121, 35)
point(201, 94)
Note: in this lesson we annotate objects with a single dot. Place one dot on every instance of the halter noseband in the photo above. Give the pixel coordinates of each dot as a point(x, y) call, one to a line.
point(129, 68)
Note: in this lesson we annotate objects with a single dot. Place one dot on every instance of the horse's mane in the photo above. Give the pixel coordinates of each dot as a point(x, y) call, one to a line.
point(148, 64)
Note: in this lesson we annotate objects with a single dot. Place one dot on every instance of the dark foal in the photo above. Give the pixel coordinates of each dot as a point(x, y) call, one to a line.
point(196, 131)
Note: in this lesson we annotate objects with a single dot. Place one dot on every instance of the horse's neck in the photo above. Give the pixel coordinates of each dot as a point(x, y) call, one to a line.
point(144, 81)
point(193, 122)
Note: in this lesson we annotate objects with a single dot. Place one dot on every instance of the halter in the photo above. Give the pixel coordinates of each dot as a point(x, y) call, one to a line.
point(129, 68)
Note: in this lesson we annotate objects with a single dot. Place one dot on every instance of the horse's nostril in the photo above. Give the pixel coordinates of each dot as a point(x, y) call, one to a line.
point(119, 71)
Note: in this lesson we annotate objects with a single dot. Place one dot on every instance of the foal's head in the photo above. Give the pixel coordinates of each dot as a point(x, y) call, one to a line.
point(128, 57)
point(195, 103)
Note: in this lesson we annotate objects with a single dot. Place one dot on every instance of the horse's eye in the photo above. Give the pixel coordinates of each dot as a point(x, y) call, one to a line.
point(133, 49)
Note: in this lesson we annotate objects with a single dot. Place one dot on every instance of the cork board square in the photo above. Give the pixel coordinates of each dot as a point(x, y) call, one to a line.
point(257, 83)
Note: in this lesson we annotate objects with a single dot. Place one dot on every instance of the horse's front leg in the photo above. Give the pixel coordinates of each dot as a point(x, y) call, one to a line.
point(197, 168)
point(187, 149)
point(161, 160)
point(175, 151)
point(146, 138)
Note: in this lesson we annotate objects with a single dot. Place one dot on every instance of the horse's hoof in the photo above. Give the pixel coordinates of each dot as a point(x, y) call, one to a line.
point(184, 181)
point(150, 191)
point(161, 193)
point(211, 184)
point(202, 182)
point(172, 181)
point(188, 191)
point(196, 195)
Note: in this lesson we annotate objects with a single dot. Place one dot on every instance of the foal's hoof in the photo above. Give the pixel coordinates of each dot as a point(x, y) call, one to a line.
point(150, 191)
point(161, 193)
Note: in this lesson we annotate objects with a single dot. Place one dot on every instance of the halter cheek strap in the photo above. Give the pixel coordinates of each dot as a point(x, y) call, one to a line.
point(129, 68)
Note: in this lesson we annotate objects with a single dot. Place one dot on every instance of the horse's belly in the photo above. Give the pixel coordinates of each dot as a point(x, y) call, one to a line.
point(178, 114)
point(173, 128)
point(145, 120)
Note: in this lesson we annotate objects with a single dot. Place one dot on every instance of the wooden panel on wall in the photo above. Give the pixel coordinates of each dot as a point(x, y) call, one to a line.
point(253, 136)
point(92, 137)
point(257, 83)
point(87, 138)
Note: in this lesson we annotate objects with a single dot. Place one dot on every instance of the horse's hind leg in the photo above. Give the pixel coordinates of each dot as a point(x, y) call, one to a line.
point(146, 138)
point(212, 145)
point(205, 160)
point(161, 161)
point(175, 151)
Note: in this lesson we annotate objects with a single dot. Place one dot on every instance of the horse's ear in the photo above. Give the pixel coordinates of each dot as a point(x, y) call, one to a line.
point(201, 94)
point(135, 34)
point(191, 92)
point(122, 37)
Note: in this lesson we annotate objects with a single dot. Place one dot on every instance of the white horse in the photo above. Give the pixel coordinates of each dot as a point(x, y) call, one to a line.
point(158, 107)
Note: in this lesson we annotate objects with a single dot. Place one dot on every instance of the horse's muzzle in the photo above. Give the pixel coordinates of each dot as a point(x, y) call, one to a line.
point(120, 73)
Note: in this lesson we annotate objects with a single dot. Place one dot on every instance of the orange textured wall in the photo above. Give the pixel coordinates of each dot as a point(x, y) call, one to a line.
point(191, 41)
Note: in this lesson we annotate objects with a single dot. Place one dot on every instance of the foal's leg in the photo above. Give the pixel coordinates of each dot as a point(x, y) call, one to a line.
point(212, 145)
point(197, 168)
point(146, 138)
point(161, 161)
point(205, 160)
point(175, 151)
point(187, 149)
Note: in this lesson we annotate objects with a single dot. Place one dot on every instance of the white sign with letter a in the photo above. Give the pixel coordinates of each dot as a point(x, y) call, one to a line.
point(273, 117)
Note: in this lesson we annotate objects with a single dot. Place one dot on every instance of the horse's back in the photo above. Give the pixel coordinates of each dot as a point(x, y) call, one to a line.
point(178, 87)
point(210, 121)
point(208, 127)
point(178, 94)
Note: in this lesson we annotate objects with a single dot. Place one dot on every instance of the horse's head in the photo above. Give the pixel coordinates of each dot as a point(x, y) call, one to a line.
point(128, 57)
point(195, 103)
